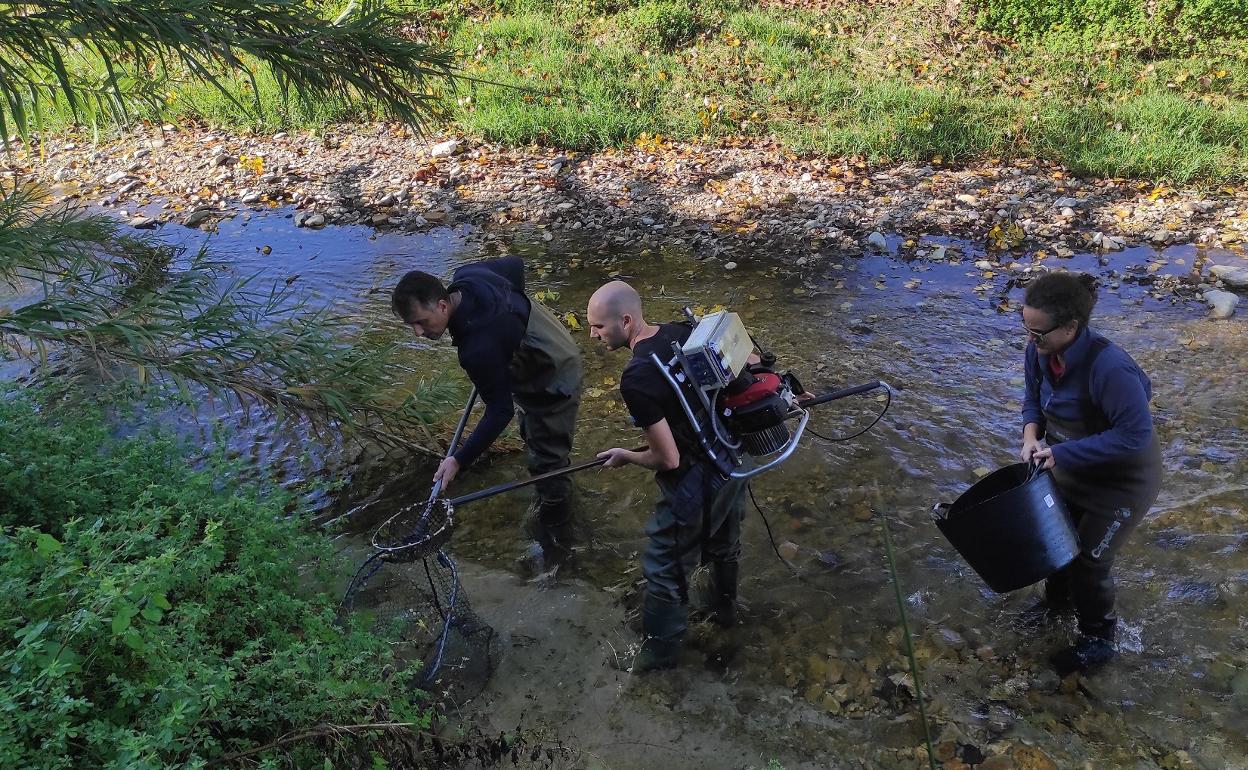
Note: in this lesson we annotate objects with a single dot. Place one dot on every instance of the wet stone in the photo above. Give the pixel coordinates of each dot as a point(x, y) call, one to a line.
point(1193, 592)
point(199, 216)
point(834, 671)
point(951, 638)
point(1233, 277)
point(1239, 690)
point(1221, 304)
point(1031, 758)
point(1220, 456)
point(998, 762)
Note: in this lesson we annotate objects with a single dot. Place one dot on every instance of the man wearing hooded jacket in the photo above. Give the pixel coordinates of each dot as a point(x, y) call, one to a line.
point(521, 359)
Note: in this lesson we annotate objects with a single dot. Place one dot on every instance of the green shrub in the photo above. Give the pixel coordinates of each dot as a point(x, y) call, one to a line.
point(663, 25)
point(1213, 18)
point(1160, 24)
point(155, 615)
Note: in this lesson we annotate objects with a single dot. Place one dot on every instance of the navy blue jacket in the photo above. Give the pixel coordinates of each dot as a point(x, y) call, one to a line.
point(1118, 388)
point(487, 328)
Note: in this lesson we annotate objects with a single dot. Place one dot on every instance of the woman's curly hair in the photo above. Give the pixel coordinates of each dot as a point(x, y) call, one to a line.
point(1064, 296)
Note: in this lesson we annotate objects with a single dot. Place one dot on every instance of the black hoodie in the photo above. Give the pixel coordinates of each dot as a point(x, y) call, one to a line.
point(487, 328)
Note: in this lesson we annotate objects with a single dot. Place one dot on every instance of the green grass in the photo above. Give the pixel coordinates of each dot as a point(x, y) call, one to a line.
point(885, 83)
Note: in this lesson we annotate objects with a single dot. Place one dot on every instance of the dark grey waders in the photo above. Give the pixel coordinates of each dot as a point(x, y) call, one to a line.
point(546, 385)
point(1107, 502)
point(697, 520)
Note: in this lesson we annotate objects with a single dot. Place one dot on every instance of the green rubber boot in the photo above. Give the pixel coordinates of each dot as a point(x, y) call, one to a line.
point(663, 626)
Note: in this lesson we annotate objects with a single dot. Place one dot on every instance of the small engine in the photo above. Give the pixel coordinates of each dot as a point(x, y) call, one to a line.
point(736, 407)
point(754, 408)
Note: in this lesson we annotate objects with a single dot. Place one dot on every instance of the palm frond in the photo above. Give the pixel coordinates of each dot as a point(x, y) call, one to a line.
point(135, 305)
point(312, 58)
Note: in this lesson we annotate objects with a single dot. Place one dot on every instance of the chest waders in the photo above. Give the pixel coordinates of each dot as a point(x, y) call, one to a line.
point(696, 521)
point(1107, 501)
point(546, 386)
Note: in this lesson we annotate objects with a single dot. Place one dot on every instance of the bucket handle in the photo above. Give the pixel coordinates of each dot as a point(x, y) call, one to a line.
point(940, 511)
point(1034, 469)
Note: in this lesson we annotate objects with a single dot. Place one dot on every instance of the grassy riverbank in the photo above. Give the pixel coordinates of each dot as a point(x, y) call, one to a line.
point(1105, 89)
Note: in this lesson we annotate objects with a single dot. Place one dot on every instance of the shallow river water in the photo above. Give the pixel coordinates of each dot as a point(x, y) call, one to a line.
point(815, 675)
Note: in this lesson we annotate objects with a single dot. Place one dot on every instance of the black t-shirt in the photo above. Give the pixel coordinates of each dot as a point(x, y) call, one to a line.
point(647, 393)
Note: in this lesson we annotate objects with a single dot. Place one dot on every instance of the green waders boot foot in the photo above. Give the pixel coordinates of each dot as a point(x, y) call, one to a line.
point(724, 584)
point(549, 524)
point(1044, 612)
point(663, 626)
point(1089, 654)
point(715, 599)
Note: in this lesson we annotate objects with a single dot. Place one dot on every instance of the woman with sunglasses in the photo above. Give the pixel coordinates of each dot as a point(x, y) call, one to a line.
point(1087, 418)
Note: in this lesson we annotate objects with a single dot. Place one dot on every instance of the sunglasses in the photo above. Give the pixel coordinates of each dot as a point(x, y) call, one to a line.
point(1039, 336)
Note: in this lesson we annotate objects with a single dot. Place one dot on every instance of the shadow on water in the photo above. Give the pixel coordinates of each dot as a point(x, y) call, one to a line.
point(820, 671)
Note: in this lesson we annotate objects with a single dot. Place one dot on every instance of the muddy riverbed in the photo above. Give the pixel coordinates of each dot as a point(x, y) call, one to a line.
point(815, 676)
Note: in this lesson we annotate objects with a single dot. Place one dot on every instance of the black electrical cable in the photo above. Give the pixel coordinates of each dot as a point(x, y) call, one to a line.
point(888, 400)
point(750, 488)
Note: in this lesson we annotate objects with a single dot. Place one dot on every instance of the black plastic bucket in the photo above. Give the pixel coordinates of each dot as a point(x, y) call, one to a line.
point(1011, 527)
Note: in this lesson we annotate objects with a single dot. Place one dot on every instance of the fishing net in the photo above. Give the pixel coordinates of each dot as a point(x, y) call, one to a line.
point(410, 592)
point(417, 531)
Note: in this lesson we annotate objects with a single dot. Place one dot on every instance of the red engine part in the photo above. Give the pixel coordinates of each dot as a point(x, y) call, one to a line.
point(765, 384)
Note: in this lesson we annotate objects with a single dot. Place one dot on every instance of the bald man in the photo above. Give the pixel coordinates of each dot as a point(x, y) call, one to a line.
point(698, 516)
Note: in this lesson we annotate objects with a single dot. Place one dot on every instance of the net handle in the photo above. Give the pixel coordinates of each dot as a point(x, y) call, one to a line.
point(510, 485)
point(459, 431)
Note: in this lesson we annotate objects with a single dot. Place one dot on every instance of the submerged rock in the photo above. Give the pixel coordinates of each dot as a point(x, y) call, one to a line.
point(1239, 690)
point(199, 216)
point(1221, 303)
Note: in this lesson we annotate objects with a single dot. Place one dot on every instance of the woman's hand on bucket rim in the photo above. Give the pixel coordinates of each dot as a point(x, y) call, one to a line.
point(1045, 454)
point(1030, 448)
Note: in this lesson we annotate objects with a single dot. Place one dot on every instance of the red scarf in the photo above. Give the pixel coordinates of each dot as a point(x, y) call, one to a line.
point(1057, 367)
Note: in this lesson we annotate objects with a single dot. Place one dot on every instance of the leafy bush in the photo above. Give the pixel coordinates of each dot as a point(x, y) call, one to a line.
point(1161, 23)
point(155, 615)
point(663, 24)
